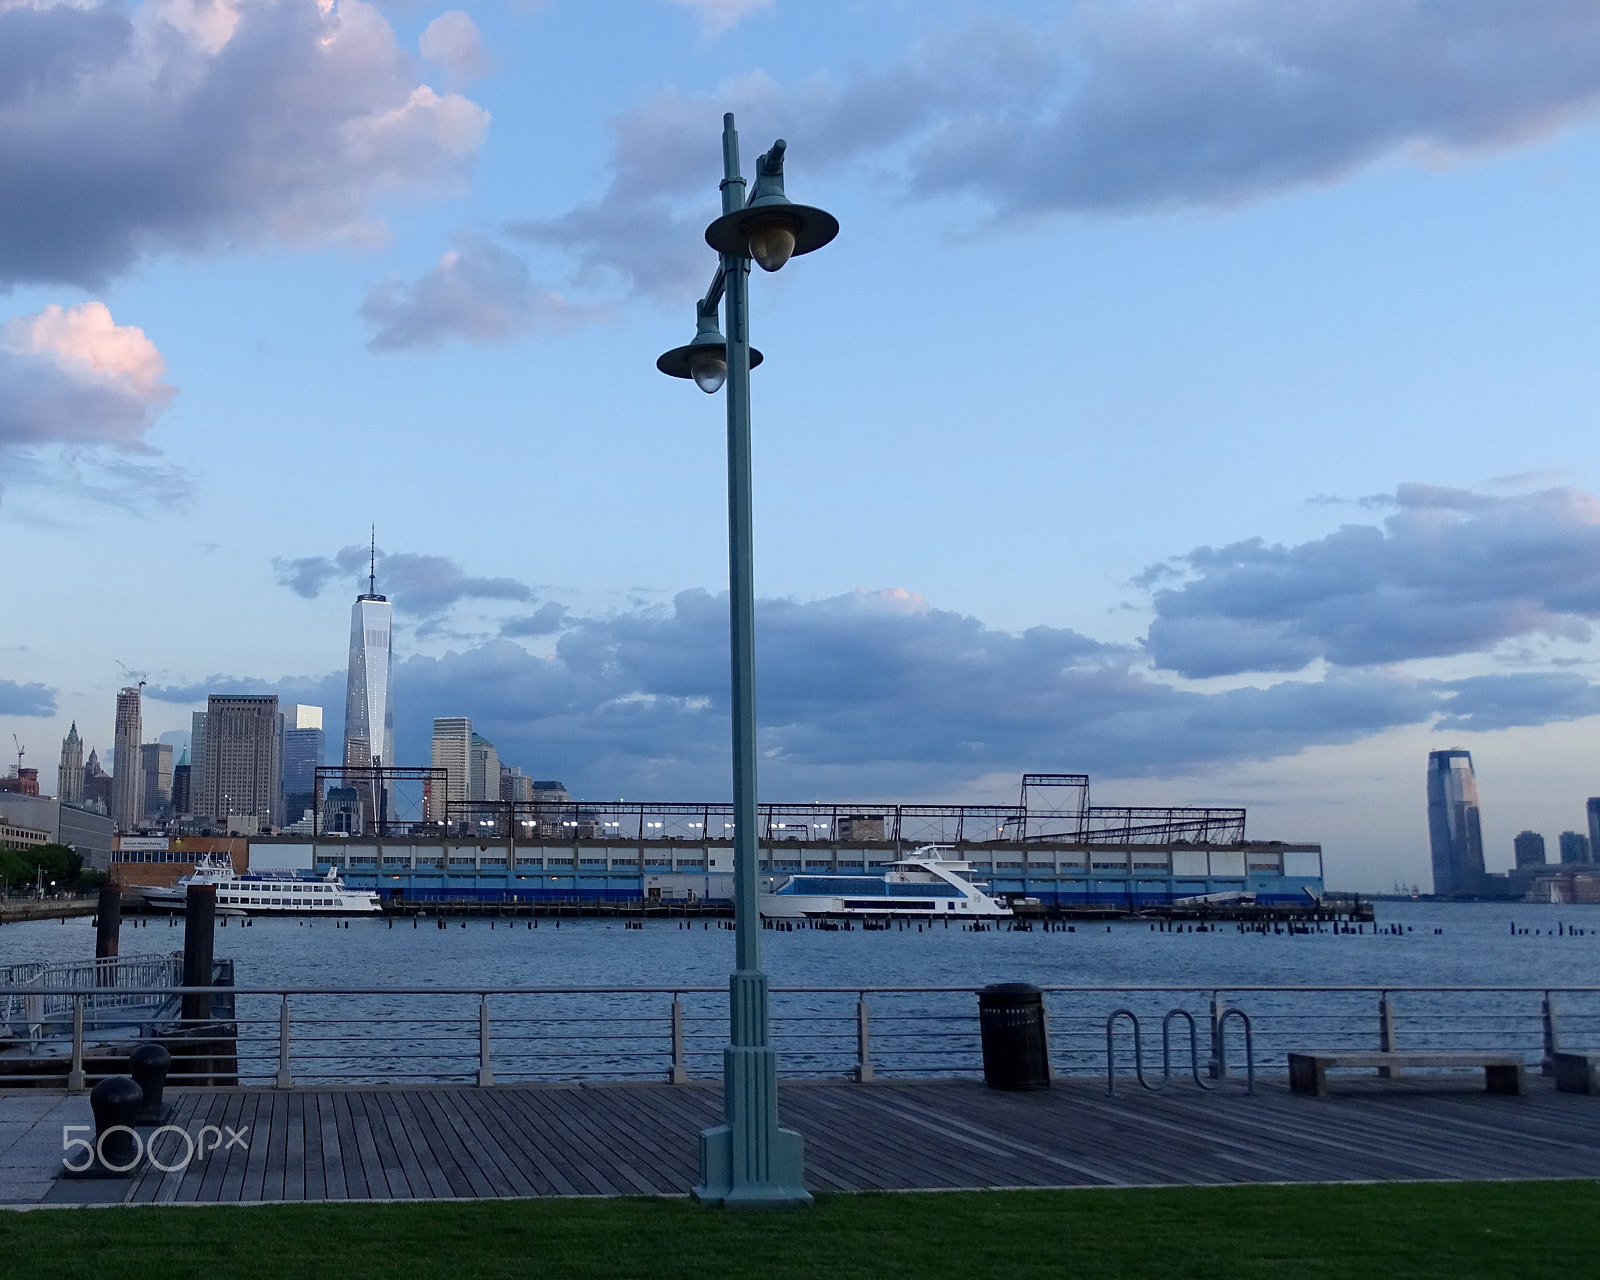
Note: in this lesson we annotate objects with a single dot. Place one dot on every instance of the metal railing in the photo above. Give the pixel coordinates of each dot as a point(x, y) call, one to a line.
point(485, 1035)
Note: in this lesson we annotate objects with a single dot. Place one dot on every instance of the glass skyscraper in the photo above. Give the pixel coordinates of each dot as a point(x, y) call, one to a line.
point(302, 753)
point(1454, 832)
point(368, 699)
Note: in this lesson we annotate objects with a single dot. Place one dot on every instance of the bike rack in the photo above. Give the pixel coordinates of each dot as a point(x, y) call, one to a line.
point(1166, 1049)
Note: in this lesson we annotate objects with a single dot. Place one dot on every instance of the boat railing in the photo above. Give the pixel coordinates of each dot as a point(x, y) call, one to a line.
point(485, 1034)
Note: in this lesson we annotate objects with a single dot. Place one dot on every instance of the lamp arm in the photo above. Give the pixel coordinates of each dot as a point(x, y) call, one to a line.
point(713, 297)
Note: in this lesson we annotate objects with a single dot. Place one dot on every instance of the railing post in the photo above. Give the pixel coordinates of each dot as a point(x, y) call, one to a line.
point(1548, 1065)
point(285, 1079)
point(863, 1041)
point(1386, 1040)
point(485, 1075)
point(1218, 1066)
point(75, 1075)
point(679, 1074)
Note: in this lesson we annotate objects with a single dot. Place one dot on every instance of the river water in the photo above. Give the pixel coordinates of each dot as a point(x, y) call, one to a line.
point(1416, 944)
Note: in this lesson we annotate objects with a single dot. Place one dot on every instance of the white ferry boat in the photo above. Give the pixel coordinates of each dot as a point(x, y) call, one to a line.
point(274, 893)
point(924, 885)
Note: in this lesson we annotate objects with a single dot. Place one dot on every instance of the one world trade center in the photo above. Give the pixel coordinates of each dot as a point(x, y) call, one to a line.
point(368, 701)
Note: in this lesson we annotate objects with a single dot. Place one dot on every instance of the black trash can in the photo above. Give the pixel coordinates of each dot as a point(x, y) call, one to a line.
point(1016, 1053)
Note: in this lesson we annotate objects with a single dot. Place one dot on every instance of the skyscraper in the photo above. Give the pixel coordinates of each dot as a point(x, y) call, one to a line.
point(452, 752)
point(368, 700)
point(127, 777)
point(1529, 846)
point(1594, 824)
point(181, 803)
point(197, 765)
point(1454, 832)
point(1574, 847)
point(483, 782)
point(69, 773)
point(244, 758)
point(155, 759)
point(302, 753)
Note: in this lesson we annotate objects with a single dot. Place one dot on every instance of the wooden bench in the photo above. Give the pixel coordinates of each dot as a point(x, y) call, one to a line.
point(1308, 1072)
point(1577, 1072)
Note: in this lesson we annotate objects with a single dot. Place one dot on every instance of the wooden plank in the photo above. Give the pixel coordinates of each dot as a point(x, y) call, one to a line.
point(366, 1150)
point(350, 1166)
point(237, 1157)
point(455, 1163)
point(294, 1155)
point(255, 1172)
point(544, 1172)
point(394, 1171)
point(423, 1175)
point(329, 1148)
point(478, 1146)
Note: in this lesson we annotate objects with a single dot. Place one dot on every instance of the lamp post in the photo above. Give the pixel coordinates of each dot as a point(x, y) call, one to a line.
point(748, 1159)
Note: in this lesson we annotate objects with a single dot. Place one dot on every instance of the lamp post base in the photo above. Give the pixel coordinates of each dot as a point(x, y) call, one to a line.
point(719, 1184)
point(750, 1160)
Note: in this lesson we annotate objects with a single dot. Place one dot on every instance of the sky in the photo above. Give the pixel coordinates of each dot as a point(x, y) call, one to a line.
point(1200, 394)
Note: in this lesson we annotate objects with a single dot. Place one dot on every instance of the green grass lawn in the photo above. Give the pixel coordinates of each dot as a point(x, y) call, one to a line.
point(1454, 1230)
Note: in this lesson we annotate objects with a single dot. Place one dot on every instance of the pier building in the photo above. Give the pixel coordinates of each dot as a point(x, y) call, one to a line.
point(1053, 847)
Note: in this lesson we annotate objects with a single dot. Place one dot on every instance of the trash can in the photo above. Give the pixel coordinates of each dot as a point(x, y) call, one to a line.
point(1016, 1053)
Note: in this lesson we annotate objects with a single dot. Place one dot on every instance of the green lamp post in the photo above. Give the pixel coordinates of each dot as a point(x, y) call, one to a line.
point(748, 1159)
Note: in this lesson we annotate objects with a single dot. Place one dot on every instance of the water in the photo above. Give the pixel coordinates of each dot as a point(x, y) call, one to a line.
point(550, 1037)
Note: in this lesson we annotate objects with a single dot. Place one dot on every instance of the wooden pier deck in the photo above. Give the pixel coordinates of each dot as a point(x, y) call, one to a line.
point(411, 1143)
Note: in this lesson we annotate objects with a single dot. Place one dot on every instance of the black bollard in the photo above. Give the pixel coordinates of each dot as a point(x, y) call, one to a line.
point(148, 1064)
point(115, 1102)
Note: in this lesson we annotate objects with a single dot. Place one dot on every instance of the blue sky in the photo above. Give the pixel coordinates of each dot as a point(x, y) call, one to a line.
point(1200, 395)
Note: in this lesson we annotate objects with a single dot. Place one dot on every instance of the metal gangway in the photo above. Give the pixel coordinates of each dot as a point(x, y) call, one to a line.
point(38, 1001)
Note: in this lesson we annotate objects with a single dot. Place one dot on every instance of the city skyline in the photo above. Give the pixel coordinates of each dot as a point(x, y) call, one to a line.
point(1282, 477)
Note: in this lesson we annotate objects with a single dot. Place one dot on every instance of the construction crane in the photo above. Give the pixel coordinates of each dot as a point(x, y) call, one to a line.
point(130, 675)
point(21, 751)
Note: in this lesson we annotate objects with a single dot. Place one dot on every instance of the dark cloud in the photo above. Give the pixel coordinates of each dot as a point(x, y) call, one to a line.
point(26, 699)
point(1110, 109)
point(134, 129)
point(1449, 572)
point(1518, 698)
point(421, 586)
point(479, 293)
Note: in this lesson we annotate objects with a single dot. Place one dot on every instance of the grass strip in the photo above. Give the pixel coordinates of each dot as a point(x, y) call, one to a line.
point(1455, 1230)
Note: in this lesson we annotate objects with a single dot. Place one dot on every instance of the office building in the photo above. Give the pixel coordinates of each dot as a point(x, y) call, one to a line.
point(1455, 833)
point(484, 780)
point(155, 759)
point(515, 785)
point(302, 753)
point(452, 752)
point(368, 704)
point(69, 773)
point(244, 759)
point(1593, 808)
point(127, 781)
point(181, 775)
point(197, 764)
point(1574, 848)
point(1529, 846)
point(21, 781)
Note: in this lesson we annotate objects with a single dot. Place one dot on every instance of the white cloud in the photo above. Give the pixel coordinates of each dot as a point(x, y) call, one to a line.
point(190, 125)
point(717, 16)
point(452, 41)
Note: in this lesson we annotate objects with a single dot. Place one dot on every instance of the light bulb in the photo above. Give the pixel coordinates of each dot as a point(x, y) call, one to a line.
point(771, 242)
point(709, 370)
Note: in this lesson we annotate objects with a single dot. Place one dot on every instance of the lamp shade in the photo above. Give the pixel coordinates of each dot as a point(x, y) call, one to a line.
point(763, 227)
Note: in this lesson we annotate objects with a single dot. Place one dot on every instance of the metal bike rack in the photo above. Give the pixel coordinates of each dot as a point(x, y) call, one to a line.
point(1166, 1049)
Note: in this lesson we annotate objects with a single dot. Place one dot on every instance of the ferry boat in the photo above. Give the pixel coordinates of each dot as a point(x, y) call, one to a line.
point(266, 893)
point(927, 884)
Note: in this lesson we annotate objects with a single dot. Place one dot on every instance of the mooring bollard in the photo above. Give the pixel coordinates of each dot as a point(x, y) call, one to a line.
point(148, 1065)
point(117, 1149)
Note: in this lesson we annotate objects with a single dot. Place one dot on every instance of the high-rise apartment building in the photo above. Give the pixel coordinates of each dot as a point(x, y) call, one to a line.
point(127, 777)
point(1529, 847)
point(155, 759)
point(452, 752)
point(69, 773)
point(302, 753)
point(1574, 848)
point(1455, 833)
point(483, 781)
point(244, 758)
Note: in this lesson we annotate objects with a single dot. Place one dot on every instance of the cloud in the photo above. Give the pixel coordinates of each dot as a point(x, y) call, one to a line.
point(182, 126)
point(452, 41)
point(1117, 107)
point(74, 376)
point(1449, 572)
point(717, 16)
point(421, 586)
point(546, 620)
point(26, 699)
point(1518, 698)
point(479, 293)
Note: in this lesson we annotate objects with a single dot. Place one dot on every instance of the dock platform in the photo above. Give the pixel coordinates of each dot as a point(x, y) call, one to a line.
point(610, 1139)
